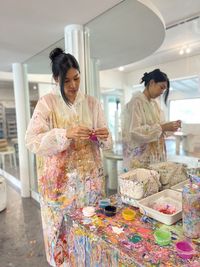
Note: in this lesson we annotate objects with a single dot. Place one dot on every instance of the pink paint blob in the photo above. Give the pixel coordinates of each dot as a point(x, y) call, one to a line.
point(93, 137)
point(165, 208)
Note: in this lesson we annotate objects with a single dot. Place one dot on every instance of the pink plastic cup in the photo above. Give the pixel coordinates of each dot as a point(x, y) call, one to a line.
point(185, 250)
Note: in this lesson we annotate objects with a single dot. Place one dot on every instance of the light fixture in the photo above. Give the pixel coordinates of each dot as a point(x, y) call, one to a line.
point(181, 52)
point(188, 50)
point(185, 49)
point(121, 68)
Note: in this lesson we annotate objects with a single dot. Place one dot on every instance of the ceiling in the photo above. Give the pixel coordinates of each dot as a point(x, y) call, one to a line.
point(182, 20)
point(30, 27)
point(110, 42)
point(120, 35)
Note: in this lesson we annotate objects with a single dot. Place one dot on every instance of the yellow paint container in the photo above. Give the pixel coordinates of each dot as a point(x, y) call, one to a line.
point(128, 214)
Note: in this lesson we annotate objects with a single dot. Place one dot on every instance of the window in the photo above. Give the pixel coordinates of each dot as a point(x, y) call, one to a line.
point(186, 110)
point(112, 107)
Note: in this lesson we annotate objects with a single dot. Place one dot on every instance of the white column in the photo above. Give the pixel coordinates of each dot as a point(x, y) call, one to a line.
point(74, 44)
point(77, 43)
point(91, 69)
point(116, 126)
point(94, 88)
point(22, 115)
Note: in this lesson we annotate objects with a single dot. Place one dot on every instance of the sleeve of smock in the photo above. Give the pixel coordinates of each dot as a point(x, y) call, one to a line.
point(40, 138)
point(101, 123)
point(140, 131)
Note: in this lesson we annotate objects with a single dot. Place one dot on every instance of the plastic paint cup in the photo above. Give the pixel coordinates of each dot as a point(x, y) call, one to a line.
point(128, 214)
point(162, 237)
point(104, 202)
point(184, 250)
point(88, 211)
point(110, 211)
point(135, 239)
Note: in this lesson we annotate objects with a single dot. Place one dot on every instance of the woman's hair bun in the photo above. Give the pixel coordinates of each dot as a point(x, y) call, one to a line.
point(157, 70)
point(144, 77)
point(55, 52)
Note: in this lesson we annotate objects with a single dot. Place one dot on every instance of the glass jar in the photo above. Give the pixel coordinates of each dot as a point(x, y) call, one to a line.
point(191, 210)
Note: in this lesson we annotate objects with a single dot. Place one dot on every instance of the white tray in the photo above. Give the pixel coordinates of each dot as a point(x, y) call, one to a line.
point(130, 201)
point(166, 196)
point(179, 186)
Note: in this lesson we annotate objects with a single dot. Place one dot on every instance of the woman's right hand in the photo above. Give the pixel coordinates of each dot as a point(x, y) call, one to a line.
point(171, 126)
point(78, 132)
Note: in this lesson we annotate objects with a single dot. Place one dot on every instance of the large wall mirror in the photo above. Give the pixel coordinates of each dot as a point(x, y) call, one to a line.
point(124, 42)
point(124, 45)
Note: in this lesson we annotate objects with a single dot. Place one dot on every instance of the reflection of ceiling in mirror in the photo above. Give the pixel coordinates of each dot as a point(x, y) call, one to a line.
point(40, 63)
point(125, 34)
point(118, 37)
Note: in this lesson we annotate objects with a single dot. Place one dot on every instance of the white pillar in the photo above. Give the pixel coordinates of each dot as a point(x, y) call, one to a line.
point(116, 125)
point(22, 115)
point(94, 88)
point(74, 44)
point(91, 68)
point(77, 43)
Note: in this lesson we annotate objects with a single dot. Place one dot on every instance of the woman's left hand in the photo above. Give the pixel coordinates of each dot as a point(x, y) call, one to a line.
point(101, 133)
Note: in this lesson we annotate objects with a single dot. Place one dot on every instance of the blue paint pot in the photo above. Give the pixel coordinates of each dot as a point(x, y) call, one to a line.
point(104, 202)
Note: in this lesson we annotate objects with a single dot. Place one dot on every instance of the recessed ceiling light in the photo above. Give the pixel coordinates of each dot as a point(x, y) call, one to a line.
point(181, 52)
point(121, 68)
point(188, 50)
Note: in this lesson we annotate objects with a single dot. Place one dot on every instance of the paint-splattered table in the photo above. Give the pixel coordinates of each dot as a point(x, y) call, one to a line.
point(112, 241)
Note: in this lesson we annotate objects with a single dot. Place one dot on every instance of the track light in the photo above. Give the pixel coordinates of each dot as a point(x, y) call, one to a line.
point(184, 50)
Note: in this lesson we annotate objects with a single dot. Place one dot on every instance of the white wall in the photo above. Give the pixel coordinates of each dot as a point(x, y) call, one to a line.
point(185, 67)
point(44, 88)
point(6, 94)
point(111, 79)
point(8, 76)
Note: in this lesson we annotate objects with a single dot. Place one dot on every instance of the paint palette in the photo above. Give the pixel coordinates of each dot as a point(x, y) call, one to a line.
point(166, 197)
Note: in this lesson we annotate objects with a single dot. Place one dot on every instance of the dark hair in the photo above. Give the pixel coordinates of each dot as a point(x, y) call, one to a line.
point(158, 76)
point(60, 64)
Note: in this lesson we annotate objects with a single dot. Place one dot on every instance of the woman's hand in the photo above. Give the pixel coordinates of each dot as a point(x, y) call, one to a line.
point(171, 126)
point(101, 133)
point(79, 132)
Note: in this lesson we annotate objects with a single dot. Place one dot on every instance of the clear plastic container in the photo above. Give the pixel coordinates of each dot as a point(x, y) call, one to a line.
point(191, 210)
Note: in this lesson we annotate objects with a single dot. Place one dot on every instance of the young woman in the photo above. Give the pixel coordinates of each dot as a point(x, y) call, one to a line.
point(144, 127)
point(67, 130)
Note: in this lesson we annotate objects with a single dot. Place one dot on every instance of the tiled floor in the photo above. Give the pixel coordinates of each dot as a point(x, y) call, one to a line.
point(21, 239)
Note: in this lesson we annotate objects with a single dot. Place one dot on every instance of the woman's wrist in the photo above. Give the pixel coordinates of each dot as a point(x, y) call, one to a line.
point(162, 127)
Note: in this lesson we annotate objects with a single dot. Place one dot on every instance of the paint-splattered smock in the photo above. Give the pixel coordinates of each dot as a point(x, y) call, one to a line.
point(70, 173)
point(143, 139)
